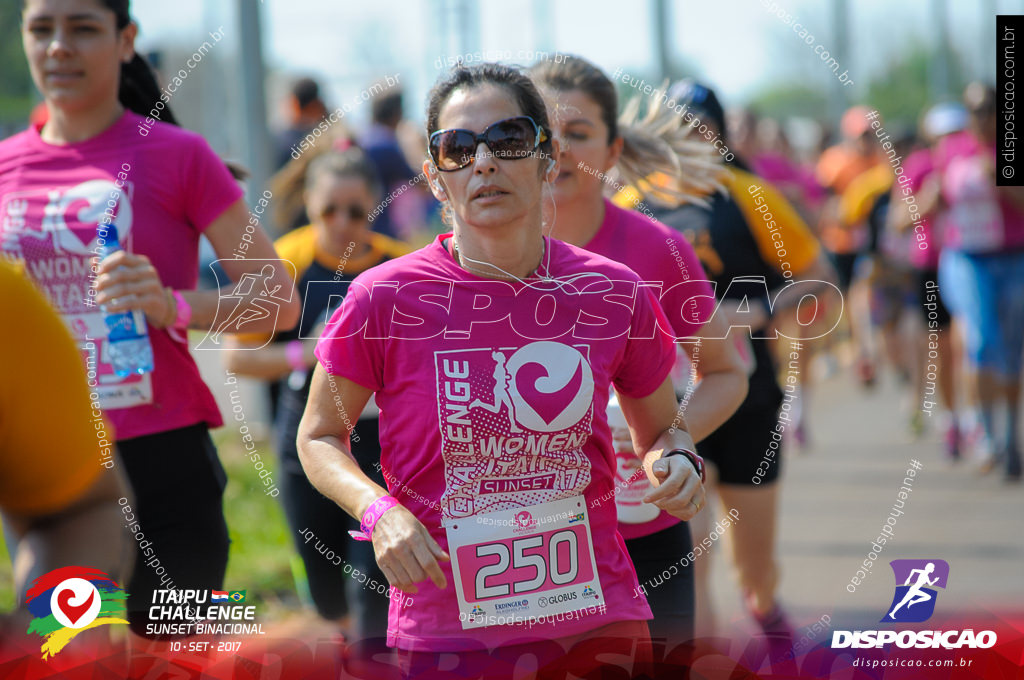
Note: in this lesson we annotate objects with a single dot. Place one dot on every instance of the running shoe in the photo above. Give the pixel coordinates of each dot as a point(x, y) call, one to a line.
point(953, 443)
point(774, 623)
point(866, 372)
point(986, 453)
point(974, 435)
point(778, 633)
point(800, 436)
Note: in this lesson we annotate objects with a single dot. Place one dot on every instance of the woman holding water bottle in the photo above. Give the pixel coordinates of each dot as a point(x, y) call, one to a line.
point(100, 173)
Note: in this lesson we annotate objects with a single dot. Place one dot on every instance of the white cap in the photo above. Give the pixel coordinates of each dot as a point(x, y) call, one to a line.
point(943, 119)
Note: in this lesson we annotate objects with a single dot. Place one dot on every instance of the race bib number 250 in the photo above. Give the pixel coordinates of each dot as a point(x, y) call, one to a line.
point(524, 564)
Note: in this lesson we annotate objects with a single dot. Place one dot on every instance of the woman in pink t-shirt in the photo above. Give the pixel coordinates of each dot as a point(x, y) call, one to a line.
point(97, 162)
point(493, 529)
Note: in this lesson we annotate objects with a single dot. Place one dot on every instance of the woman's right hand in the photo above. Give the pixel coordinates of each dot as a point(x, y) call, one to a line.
point(406, 552)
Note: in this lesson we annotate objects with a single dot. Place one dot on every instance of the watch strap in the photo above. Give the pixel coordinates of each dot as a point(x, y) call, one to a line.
point(695, 460)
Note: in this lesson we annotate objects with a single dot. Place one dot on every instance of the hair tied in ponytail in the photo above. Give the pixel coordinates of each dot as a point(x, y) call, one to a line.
point(140, 93)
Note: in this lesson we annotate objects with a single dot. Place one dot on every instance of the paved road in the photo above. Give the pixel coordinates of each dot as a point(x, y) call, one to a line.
point(837, 496)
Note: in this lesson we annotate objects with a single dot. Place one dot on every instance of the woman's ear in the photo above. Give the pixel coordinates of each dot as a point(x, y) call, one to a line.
point(127, 39)
point(551, 169)
point(434, 181)
point(614, 153)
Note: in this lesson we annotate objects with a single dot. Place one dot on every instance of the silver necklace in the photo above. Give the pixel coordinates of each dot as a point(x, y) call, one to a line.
point(459, 256)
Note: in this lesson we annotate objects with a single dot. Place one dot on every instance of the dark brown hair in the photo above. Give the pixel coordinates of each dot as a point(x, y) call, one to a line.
point(576, 73)
point(513, 80)
point(352, 162)
point(652, 143)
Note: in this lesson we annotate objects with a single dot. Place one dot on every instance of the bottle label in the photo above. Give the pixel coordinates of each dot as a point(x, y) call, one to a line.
point(125, 326)
point(111, 390)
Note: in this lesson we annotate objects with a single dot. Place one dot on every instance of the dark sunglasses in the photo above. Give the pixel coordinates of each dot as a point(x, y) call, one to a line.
point(355, 212)
point(509, 139)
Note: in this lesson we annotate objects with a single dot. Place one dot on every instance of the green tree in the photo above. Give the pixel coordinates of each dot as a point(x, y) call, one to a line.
point(15, 81)
point(790, 99)
point(903, 91)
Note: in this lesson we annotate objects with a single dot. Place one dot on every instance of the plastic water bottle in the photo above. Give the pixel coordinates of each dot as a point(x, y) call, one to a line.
point(128, 347)
point(631, 483)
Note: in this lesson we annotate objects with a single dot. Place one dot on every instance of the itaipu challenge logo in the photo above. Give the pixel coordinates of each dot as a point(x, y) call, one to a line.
point(69, 600)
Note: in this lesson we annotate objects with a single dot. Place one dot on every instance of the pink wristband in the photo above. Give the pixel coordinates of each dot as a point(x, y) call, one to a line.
point(372, 516)
point(179, 329)
point(295, 354)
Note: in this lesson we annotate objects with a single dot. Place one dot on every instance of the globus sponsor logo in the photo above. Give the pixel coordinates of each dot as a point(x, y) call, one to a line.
point(919, 639)
point(555, 599)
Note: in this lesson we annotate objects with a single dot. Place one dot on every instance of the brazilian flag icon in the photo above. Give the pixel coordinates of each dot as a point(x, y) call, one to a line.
point(237, 596)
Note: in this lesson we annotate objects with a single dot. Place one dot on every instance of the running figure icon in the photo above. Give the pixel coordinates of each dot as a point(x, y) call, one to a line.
point(501, 392)
point(257, 308)
point(915, 594)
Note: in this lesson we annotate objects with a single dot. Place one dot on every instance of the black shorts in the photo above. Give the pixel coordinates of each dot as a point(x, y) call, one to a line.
point(669, 585)
point(845, 264)
point(924, 278)
point(746, 443)
point(332, 587)
point(177, 482)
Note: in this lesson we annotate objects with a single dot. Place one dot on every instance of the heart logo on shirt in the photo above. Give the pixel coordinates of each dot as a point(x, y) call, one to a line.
point(552, 386)
point(548, 405)
point(71, 217)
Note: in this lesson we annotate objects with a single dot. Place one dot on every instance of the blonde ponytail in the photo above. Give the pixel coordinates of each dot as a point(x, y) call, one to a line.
point(658, 142)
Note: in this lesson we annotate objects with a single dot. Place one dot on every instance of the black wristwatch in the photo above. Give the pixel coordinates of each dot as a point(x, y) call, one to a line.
point(697, 461)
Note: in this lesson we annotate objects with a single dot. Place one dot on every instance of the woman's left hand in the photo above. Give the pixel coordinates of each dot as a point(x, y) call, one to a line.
point(127, 281)
point(680, 492)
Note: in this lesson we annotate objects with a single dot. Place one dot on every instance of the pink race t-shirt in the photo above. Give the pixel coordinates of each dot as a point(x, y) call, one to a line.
point(917, 167)
point(494, 434)
point(161, 190)
point(789, 177)
point(978, 220)
point(668, 264)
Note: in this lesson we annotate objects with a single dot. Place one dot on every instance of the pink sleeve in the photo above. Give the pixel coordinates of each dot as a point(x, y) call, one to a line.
point(208, 187)
point(352, 344)
point(688, 304)
point(917, 167)
point(650, 352)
